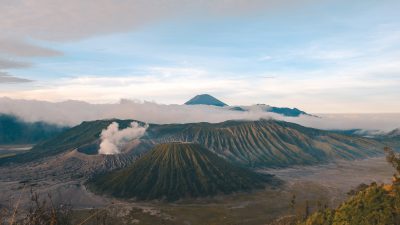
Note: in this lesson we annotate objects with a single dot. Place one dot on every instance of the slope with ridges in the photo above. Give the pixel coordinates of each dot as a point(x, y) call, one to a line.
point(268, 142)
point(178, 170)
point(263, 143)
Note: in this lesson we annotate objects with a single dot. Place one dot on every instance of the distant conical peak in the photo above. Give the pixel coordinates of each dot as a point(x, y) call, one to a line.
point(205, 99)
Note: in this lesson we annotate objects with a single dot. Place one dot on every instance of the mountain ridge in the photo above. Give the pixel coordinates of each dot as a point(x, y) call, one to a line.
point(14, 130)
point(394, 133)
point(268, 143)
point(261, 143)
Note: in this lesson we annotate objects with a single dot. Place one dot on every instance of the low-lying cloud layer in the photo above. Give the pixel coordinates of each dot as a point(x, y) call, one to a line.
point(113, 139)
point(74, 112)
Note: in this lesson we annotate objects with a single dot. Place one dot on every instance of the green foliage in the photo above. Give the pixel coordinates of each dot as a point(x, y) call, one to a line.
point(324, 217)
point(394, 160)
point(178, 170)
point(360, 187)
point(372, 205)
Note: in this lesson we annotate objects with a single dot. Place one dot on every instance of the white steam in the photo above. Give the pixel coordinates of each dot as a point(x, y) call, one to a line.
point(113, 139)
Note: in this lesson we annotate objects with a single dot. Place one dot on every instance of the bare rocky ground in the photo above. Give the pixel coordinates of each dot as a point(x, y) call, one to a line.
point(63, 177)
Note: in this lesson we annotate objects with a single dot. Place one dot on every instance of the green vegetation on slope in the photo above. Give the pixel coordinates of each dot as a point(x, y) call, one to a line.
point(178, 170)
point(374, 205)
point(15, 131)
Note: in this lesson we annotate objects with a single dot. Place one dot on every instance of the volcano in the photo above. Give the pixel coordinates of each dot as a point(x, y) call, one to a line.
point(177, 170)
point(205, 99)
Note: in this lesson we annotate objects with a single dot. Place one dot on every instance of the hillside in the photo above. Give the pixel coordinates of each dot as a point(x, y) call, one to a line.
point(16, 131)
point(262, 143)
point(370, 205)
point(394, 133)
point(84, 134)
point(178, 170)
point(290, 112)
point(284, 111)
point(267, 143)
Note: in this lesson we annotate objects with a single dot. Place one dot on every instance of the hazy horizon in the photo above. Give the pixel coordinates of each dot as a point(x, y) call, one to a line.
point(151, 112)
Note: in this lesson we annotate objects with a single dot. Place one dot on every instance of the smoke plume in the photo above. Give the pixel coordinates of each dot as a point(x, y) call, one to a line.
point(113, 139)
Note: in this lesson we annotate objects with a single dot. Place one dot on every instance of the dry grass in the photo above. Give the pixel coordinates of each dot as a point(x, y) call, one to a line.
point(41, 211)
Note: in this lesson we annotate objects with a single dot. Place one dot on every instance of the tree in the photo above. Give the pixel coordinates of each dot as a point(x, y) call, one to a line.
point(394, 159)
point(293, 202)
point(307, 209)
point(372, 204)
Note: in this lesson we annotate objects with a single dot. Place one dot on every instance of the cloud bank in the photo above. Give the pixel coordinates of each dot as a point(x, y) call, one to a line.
point(6, 78)
point(113, 139)
point(74, 19)
point(24, 23)
point(11, 64)
point(74, 112)
point(315, 92)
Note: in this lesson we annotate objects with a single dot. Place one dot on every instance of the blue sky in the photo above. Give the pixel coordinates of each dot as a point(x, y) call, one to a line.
point(321, 56)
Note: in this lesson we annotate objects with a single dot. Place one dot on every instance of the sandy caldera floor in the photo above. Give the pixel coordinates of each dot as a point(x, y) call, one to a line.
point(63, 178)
